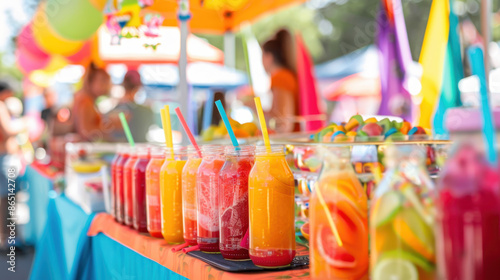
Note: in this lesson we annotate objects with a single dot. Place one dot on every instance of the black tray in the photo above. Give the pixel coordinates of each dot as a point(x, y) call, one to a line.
point(217, 261)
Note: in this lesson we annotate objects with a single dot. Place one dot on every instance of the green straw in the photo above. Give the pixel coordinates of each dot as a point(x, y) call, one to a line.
point(126, 129)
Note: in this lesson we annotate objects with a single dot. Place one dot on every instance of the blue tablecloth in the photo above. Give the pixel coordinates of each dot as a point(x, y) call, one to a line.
point(112, 260)
point(64, 250)
point(38, 187)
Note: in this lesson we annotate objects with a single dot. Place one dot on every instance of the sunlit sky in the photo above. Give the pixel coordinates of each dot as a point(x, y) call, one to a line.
point(16, 10)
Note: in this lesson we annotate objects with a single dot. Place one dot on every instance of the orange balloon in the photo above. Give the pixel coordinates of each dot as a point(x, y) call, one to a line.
point(99, 4)
point(47, 38)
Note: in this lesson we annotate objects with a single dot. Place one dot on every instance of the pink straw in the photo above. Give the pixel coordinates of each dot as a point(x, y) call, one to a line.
point(179, 247)
point(190, 249)
point(188, 131)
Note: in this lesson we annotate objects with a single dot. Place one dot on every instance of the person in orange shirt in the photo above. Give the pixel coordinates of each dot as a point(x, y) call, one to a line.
point(278, 61)
point(88, 121)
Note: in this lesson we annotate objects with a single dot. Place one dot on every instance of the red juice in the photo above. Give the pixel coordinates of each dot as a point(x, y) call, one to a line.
point(139, 218)
point(189, 197)
point(207, 184)
point(113, 184)
point(120, 186)
point(127, 190)
point(468, 218)
point(153, 191)
point(233, 202)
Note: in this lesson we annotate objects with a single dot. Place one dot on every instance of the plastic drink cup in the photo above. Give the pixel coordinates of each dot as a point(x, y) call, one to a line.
point(207, 184)
point(338, 250)
point(271, 209)
point(139, 190)
point(233, 201)
point(153, 201)
point(120, 186)
point(127, 190)
point(468, 218)
point(171, 195)
point(189, 194)
point(402, 218)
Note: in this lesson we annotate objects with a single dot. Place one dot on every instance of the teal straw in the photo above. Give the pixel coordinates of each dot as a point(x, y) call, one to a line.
point(228, 125)
point(477, 64)
point(126, 129)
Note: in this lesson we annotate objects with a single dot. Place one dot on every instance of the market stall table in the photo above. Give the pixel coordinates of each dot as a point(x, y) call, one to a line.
point(63, 251)
point(39, 183)
point(120, 252)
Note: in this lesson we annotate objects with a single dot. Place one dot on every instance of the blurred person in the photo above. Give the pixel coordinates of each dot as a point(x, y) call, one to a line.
point(10, 162)
point(139, 117)
point(88, 121)
point(279, 63)
point(48, 114)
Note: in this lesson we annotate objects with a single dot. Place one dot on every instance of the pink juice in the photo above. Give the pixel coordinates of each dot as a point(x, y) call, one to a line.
point(207, 184)
point(233, 202)
point(113, 184)
point(120, 186)
point(127, 190)
point(468, 219)
point(140, 220)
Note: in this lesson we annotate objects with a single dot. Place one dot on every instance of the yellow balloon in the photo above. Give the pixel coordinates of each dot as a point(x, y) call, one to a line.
point(56, 63)
point(48, 40)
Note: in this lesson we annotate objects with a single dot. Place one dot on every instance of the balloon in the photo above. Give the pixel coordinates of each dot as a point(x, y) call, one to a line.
point(82, 55)
point(75, 20)
point(28, 62)
point(56, 63)
point(47, 39)
point(25, 40)
point(98, 4)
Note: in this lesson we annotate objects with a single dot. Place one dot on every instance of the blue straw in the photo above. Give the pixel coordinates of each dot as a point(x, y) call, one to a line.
point(477, 64)
point(228, 125)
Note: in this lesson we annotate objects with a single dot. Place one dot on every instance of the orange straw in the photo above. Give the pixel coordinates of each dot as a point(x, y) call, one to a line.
point(188, 131)
point(167, 129)
point(263, 125)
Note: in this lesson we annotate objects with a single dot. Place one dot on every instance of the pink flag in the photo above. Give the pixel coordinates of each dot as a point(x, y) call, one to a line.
point(308, 96)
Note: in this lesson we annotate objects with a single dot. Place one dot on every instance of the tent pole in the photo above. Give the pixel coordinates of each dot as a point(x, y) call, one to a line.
point(183, 87)
point(229, 49)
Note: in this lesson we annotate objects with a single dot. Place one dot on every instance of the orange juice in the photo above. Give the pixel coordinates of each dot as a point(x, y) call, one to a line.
point(171, 197)
point(153, 191)
point(271, 209)
point(189, 202)
point(339, 221)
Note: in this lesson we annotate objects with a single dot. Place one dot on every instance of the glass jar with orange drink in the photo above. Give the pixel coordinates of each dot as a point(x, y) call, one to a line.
point(402, 218)
point(189, 194)
point(171, 194)
point(271, 208)
point(153, 201)
point(207, 184)
point(338, 217)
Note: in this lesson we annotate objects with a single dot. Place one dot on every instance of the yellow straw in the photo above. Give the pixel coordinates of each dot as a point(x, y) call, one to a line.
point(263, 125)
point(328, 216)
point(167, 129)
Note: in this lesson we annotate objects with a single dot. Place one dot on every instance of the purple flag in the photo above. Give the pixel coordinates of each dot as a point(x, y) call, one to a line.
point(394, 62)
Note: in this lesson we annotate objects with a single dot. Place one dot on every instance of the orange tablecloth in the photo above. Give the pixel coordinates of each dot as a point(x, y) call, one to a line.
point(159, 251)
